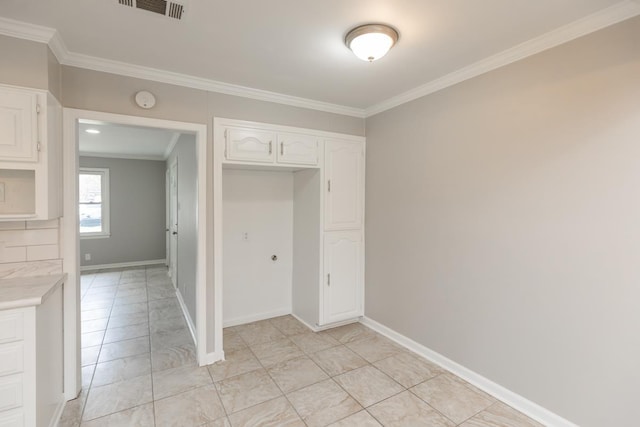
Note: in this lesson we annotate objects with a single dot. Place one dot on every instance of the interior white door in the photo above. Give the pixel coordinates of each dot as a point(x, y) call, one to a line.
point(173, 224)
point(167, 228)
point(343, 276)
point(344, 166)
point(18, 125)
point(250, 145)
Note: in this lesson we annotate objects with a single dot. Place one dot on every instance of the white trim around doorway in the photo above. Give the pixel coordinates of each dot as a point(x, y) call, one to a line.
point(70, 236)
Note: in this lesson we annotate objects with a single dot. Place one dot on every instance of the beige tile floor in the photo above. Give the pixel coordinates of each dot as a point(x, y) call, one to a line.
point(139, 369)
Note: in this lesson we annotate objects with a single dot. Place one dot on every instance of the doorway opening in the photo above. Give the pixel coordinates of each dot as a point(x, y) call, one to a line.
point(136, 228)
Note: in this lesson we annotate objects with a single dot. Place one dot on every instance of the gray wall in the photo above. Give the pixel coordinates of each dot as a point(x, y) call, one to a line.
point(28, 64)
point(137, 208)
point(185, 152)
point(502, 225)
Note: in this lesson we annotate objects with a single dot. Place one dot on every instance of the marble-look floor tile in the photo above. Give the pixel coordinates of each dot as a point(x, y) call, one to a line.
point(312, 342)
point(360, 419)
point(128, 300)
point(243, 391)
point(87, 375)
point(338, 360)
point(92, 339)
point(101, 313)
point(112, 398)
point(89, 304)
point(405, 409)
point(122, 349)
point(375, 348)
point(452, 398)
point(274, 413)
point(174, 357)
point(166, 339)
point(177, 380)
point(72, 413)
point(192, 408)
point(272, 352)
point(295, 374)
point(259, 332)
point(122, 369)
point(90, 355)
point(163, 304)
point(323, 403)
point(351, 332)
point(126, 333)
point(500, 415)
point(161, 293)
point(128, 320)
point(408, 370)
point(221, 422)
point(168, 325)
point(235, 363)
point(93, 325)
point(368, 385)
point(132, 292)
point(121, 309)
point(289, 325)
point(232, 342)
point(140, 416)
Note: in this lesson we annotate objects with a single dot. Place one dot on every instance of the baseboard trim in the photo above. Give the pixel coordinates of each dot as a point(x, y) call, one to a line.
point(214, 357)
point(527, 407)
point(187, 317)
point(316, 328)
point(85, 268)
point(256, 317)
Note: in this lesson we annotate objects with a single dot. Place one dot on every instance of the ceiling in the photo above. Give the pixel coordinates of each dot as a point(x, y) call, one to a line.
point(296, 48)
point(123, 141)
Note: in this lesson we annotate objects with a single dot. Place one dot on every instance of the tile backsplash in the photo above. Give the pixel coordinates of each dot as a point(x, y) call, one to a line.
point(29, 248)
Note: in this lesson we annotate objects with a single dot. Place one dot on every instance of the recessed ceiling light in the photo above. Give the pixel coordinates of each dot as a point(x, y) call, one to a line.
point(372, 41)
point(94, 131)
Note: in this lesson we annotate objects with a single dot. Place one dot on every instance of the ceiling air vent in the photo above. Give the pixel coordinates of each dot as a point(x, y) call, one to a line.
point(171, 9)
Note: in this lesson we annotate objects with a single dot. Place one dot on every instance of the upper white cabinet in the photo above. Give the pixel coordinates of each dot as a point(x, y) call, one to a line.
point(18, 125)
point(250, 145)
point(269, 147)
point(30, 154)
point(297, 149)
point(344, 175)
point(343, 291)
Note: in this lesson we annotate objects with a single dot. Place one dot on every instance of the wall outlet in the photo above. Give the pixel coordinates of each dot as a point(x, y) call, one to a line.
point(245, 236)
point(1, 191)
point(87, 257)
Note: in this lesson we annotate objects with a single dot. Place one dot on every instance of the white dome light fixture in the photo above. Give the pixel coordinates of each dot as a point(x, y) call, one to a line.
point(372, 41)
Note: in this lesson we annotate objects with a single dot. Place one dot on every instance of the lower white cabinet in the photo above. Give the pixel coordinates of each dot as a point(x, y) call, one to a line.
point(31, 389)
point(343, 268)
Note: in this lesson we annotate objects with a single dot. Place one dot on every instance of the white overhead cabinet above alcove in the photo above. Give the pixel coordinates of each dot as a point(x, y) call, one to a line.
point(30, 154)
point(288, 223)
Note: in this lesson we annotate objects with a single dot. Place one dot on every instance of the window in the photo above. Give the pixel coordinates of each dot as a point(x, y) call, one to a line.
point(94, 202)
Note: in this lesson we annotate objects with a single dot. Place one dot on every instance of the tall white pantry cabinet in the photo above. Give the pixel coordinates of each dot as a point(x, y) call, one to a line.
point(327, 275)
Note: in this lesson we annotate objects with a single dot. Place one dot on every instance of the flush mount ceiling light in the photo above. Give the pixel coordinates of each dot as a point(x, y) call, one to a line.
point(93, 131)
point(372, 41)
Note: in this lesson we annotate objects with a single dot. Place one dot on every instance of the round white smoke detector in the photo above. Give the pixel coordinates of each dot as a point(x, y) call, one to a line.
point(145, 99)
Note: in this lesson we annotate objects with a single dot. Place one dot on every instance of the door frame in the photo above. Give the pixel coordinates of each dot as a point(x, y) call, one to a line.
point(173, 263)
point(71, 239)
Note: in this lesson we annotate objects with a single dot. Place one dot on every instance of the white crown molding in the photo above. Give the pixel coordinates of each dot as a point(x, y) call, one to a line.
point(589, 24)
point(172, 144)
point(612, 15)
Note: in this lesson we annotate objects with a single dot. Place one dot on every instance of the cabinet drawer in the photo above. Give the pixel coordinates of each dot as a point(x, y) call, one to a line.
point(13, 418)
point(11, 358)
point(10, 392)
point(11, 325)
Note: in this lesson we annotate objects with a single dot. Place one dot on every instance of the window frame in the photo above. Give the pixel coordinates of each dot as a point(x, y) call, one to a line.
point(105, 202)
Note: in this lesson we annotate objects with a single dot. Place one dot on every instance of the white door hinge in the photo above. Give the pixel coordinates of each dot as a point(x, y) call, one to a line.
point(38, 108)
point(328, 279)
point(329, 186)
point(38, 146)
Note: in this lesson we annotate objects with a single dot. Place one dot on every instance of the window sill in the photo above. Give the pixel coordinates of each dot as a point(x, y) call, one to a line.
point(94, 236)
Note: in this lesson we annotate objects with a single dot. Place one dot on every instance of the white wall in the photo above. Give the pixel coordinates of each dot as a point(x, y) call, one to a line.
point(259, 203)
point(503, 225)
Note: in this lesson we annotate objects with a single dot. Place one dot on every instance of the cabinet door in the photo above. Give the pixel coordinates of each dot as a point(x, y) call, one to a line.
point(18, 126)
point(297, 149)
point(344, 167)
point(250, 145)
point(343, 276)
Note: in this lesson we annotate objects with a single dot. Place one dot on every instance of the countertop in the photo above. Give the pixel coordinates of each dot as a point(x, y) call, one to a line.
point(28, 291)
